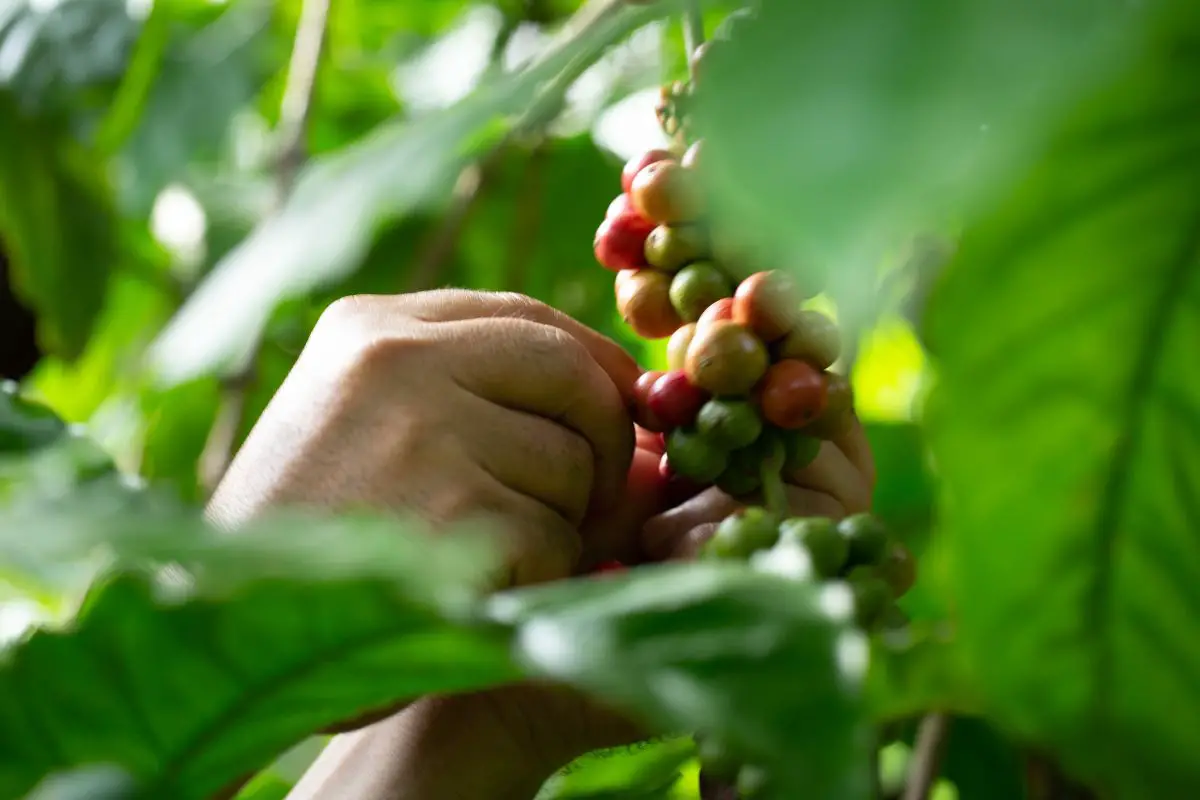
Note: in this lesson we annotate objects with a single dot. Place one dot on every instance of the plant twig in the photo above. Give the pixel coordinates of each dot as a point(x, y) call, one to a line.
point(927, 756)
point(693, 28)
point(294, 113)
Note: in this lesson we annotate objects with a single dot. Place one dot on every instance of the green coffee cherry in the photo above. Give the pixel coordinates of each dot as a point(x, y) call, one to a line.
point(742, 534)
point(693, 456)
point(737, 481)
point(872, 597)
point(801, 450)
point(867, 537)
point(828, 548)
point(730, 423)
point(899, 569)
point(671, 247)
point(696, 287)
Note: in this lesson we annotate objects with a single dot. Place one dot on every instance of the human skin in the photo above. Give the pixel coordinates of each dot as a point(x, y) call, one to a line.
point(453, 405)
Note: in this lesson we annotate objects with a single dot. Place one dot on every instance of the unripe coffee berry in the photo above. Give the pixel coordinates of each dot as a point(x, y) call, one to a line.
point(838, 418)
point(872, 597)
point(636, 164)
point(696, 287)
point(827, 548)
point(620, 243)
point(677, 346)
point(729, 423)
point(644, 302)
point(801, 450)
point(767, 303)
point(742, 534)
point(867, 539)
point(675, 401)
point(726, 360)
point(691, 455)
point(793, 394)
point(721, 309)
point(672, 247)
point(643, 415)
point(815, 338)
point(666, 193)
point(738, 481)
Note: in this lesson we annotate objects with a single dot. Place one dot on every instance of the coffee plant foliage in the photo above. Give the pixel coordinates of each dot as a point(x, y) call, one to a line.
point(999, 198)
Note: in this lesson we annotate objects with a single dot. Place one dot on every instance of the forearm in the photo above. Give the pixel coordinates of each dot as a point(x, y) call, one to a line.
point(430, 751)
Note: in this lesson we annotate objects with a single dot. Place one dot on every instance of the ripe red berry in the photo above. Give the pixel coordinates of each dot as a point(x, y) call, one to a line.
point(636, 164)
point(643, 416)
point(609, 566)
point(720, 310)
point(674, 400)
point(793, 394)
point(620, 243)
point(622, 207)
point(767, 303)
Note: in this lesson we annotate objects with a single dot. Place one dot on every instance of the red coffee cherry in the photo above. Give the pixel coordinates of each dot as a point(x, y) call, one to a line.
point(666, 193)
point(675, 400)
point(636, 164)
point(838, 417)
point(793, 394)
point(641, 393)
point(620, 243)
point(644, 302)
point(720, 310)
point(621, 206)
point(767, 303)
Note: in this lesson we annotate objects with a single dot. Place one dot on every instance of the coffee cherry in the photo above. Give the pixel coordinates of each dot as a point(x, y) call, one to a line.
point(674, 400)
point(620, 243)
point(838, 418)
point(623, 276)
point(827, 548)
point(666, 193)
point(672, 247)
point(621, 208)
point(793, 394)
point(867, 539)
point(738, 481)
point(696, 287)
point(643, 415)
point(721, 309)
point(742, 534)
point(636, 164)
point(609, 566)
point(678, 345)
point(814, 338)
point(767, 303)
point(729, 423)
point(678, 489)
point(644, 301)
point(899, 570)
point(693, 456)
point(691, 159)
point(801, 450)
point(743, 471)
point(726, 360)
point(872, 597)
point(716, 761)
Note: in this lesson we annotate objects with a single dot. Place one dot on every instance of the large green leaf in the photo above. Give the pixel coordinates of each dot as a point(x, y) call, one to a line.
point(752, 658)
point(1065, 427)
point(341, 201)
point(646, 769)
point(834, 128)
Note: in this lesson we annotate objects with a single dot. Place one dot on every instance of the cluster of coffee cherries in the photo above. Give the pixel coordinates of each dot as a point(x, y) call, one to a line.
point(748, 367)
point(856, 552)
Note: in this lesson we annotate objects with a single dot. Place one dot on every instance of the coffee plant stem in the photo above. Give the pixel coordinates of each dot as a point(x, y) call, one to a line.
point(292, 143)
point(774, 492)
point(927, 756)
point(693, 28)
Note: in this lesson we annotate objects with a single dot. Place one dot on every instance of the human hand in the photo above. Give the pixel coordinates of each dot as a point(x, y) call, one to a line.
point(449, 405)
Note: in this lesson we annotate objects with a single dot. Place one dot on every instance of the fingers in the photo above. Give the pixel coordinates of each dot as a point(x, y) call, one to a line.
point(531, 455)
point(616, 534)
point(541, 370)
point(648, 440)
point(681, 531)
point(854, 444)
point(833, 473)
point(450, 305)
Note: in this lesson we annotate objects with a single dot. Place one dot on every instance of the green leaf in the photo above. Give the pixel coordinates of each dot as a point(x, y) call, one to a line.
point(25, 426)
point(834, 128)
point(650, 769)
point(265, 786)
point(57, 225)
point(918, 670)
point(722, 649)
point(1064, 426)
point(342, 200)
point(235, 646)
